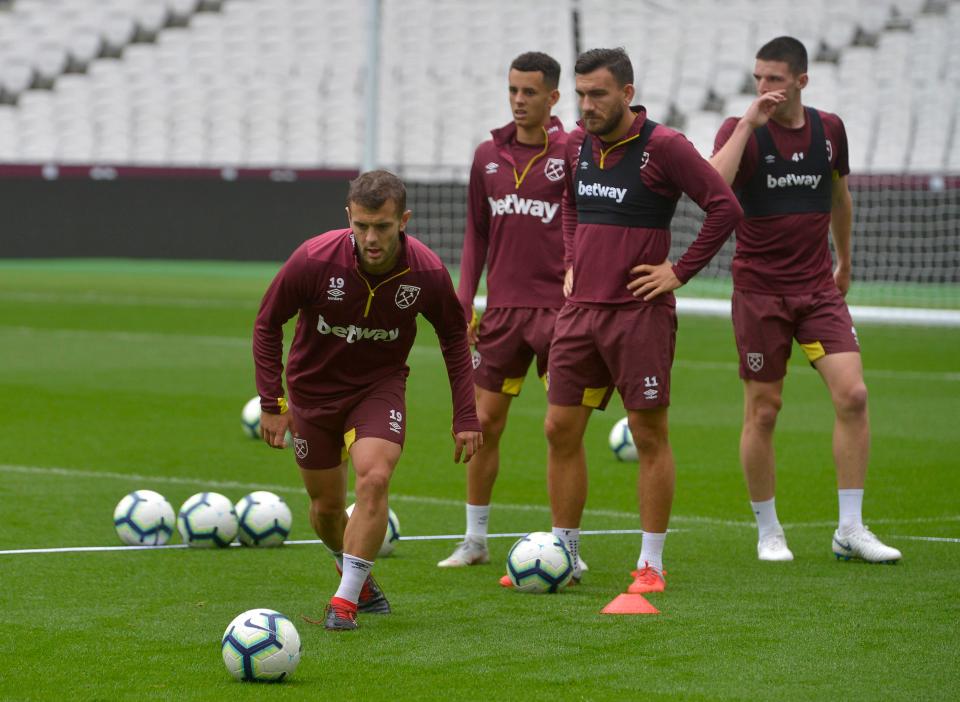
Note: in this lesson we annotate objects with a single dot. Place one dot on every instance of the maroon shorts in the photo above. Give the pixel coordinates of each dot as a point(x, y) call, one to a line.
point(323, 435)
point(510, 338)
point(595, 350)
point(766, 325)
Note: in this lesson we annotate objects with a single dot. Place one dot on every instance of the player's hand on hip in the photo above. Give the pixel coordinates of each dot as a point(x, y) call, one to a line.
point(762, 109)
point(472, 336)
point(467, 445)
point(568, 282)
point(274, 427)
point(841, 277)
point(653, 280)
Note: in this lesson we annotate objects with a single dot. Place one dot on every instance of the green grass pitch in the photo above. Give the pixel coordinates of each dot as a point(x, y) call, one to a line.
point(116, 376)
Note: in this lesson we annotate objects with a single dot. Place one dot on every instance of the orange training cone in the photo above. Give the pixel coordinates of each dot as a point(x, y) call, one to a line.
point(629, 604)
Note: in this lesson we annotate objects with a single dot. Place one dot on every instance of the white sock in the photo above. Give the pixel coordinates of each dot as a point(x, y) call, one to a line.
point(355, 572)
point(766, 514)
point(570, 539)
point(851, 509)
point(477, 518)
point(651, 551)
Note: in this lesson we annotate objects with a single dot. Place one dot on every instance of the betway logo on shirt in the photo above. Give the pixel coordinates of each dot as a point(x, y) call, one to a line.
point(791, 179)
point(514, 204)
point(353, 333)
point(598, 190)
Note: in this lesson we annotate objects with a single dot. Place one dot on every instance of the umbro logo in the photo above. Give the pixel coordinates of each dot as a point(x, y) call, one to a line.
point(584, 165)
point(492, 167)
point(769, 158)
point(335, 294)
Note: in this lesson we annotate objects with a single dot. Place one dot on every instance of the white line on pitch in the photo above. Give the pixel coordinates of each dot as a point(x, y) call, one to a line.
point(296, 542)
point(942, 539)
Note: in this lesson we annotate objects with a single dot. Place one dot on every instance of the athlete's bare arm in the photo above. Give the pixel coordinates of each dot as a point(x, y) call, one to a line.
point(727, 160)
point(841, 227)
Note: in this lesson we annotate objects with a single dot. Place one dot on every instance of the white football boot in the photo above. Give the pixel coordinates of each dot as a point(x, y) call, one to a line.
point(467, 553)
point(861, 543)
point(773, 547)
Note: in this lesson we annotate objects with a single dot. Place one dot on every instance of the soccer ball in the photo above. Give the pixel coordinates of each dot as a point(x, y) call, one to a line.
point(207, 519)
point(392, 535)
point(250, 421)
point(539, 562)
point(264, 519)
point(250, 418)
point(144, 517)
point(621, 441)
point(261, 644)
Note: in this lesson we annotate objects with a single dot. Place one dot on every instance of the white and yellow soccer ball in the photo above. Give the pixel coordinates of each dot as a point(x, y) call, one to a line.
point(264, 519)
point(539, 562)
point(392, 535)
point(207, 519)
point(621, 441)
point(144, 518)
point(261, 644)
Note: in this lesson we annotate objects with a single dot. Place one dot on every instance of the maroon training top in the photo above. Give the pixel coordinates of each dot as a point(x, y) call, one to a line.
point(356, 329)
point(515, 229)
point(785, 254)
point(603, 254)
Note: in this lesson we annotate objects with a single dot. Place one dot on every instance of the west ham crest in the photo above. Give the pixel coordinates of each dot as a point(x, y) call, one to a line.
point(406, 296)
point(755, 361)
point(644, 160)
point(301, 447)
point(553, 169)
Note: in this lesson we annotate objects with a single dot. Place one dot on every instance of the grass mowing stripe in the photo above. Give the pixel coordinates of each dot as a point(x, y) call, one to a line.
point(417, 350)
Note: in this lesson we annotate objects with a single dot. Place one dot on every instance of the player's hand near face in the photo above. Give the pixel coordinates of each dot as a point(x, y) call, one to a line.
point(274, 427)
point(653, 280)
point(467, 445)
point(762, 109)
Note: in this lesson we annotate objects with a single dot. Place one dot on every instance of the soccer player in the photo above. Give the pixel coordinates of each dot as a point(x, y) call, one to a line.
point(788, 164)
point(513, 227)
point(358, 292)
point(617, 327)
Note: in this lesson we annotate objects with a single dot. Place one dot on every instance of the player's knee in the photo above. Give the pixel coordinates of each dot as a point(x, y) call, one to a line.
point(327, 510)
point(559, 434)
point(852, 400)
point(763, 413)
point(649, 439)
point(492, 425)
point(373, 484)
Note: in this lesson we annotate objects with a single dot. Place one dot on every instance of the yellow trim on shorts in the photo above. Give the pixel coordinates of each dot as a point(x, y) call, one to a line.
point(348, 439)
point(593, 397)
point(814, 351)
point(546, 381)
point(282, 404)
point(511, 386)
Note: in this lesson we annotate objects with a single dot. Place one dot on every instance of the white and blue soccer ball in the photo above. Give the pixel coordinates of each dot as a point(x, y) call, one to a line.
point(539, 562)
point(263, 518)
point(207, 519)
point(261, 644)
point(392, 535)
point(250, 418)
point(621, 441)
point(144, 518)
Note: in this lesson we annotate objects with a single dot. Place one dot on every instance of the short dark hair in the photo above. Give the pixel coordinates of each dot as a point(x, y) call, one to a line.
point(539, 61)
point(788, 50)
point(372, 189)
point(614, 60)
